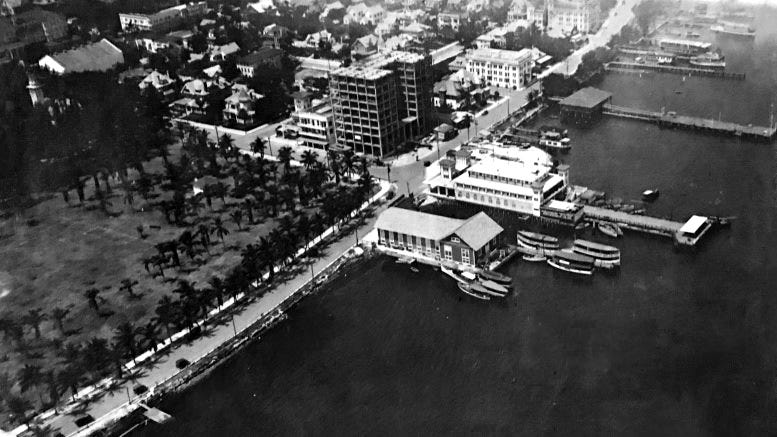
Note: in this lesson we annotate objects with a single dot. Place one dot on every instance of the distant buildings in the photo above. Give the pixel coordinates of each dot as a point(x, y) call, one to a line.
point(99, 56)
point(265, 56)
point(365, 15)
point(449, 19)
point(501, 68)
point(164, 20)
point(25, 28)
point(584, 106)
point(162, 83)
point(365, 45)
point(459, 90)
point(569, 16)
point(455, 241)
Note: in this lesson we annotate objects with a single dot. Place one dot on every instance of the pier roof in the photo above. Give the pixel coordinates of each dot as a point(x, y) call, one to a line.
point(693, 224)
point(588, 97)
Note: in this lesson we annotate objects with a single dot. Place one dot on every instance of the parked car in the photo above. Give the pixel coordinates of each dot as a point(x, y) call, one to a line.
point(181, 363)
point(427, 163)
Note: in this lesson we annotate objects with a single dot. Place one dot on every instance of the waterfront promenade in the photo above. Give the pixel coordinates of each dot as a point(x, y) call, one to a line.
point(106, 406)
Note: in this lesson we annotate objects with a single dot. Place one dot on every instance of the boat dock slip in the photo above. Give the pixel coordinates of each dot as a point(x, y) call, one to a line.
point(687, 234)
point(671, 119)
point(690, 71)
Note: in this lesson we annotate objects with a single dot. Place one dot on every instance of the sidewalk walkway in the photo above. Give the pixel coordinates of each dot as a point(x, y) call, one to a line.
point(120, 401)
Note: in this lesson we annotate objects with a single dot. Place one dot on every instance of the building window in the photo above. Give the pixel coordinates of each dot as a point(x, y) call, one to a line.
point(465, 256)
point(455, 239)
point(448, 253)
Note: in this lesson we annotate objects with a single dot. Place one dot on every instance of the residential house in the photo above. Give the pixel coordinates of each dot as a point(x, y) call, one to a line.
point(241, 106)
point(99, 56)
point(334, 6)
point(462, 243)
point(162, 83)
point(450, 19)
point(220, 53)
point(313, 39)
point(262, 7)
point(460, 90)
point(365, 15)
point(517, 10)
point(194, 97)
point(275, 31)
point(247, 65)
point(365, 45)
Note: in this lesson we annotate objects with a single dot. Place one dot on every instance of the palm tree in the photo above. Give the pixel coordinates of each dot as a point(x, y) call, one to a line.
point(28, 377)
point(284, 157)
point(258, 145)
point(303, 228)
point(309, 159)
point(203, 231)
point(219, 229)
point(69, 378)
point(34, 318)
point(187, 241)
point(217, 289)
point(347, 161)
point(95, 355)
point(18, 406)
point(226, 144)
point(166, 314)
point(91, 295)
point(150, 334)
point(249, 207)
point(127, 286)
point(237, 217)
point(125, 337)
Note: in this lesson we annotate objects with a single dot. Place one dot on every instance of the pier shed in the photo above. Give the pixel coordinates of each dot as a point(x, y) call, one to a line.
point(584, 106)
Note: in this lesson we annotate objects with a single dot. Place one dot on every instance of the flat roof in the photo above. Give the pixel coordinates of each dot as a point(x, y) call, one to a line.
point(359, 72)
point(510, 169)
point(499, 55)
point(686, 42)
point(588, 97)
point(563, 206)
point(693, 224)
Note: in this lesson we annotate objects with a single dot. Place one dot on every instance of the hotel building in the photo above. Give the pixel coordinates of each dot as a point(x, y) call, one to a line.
point(501, 68)
point(518, 180)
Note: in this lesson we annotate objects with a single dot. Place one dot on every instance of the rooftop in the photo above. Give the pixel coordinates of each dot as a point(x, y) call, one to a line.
point(498, 55)
point(380, 60)
point(260, 56)
point(586, 98)
point(693, 224)
point(475, 231)
point(99, 56)
point(361, 72)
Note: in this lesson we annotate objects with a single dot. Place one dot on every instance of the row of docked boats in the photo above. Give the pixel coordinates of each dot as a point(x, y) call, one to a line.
point(583, 257)
point(484, 286)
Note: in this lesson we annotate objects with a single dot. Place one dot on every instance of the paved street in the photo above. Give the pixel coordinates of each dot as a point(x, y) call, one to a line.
point(619, 16)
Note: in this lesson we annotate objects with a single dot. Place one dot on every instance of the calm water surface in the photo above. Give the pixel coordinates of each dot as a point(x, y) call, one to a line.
point(675, 344)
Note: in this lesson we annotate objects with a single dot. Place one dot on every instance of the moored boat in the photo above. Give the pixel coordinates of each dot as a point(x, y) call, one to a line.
point(533, 243)
point(608, 229)
point(534, 258)
point(604, 256)
point(493, 287)
point(734, 29)
point(468, 289)
point(708, 60)
point(495, 276)
point(572, 262)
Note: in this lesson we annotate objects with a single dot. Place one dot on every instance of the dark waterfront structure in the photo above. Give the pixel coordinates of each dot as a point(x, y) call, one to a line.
point(585, 106)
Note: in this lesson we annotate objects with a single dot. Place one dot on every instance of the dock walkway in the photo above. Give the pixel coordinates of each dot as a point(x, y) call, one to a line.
point(670, 119)
point(642, 223)
point(616, 66)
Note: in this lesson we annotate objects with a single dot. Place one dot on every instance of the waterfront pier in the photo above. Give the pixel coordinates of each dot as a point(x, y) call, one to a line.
point(684, 234)
point(619, 67)
point(671, 119)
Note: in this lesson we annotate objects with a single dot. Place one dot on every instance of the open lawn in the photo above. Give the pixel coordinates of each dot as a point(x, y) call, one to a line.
point(71, 272)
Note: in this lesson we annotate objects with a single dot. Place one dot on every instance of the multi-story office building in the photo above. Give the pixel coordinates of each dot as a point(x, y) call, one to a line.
point(501, 68)
point(164, 20)
point(315, 123)
point(383, 102)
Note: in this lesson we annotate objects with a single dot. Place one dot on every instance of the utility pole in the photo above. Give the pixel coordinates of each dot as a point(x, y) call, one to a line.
point(234, 329)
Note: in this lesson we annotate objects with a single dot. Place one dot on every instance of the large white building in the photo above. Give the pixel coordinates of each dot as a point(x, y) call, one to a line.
point(99, 56)
point(519, 180)
point(315, 122)
point(163, 20)
point(501, 68)
point(568, 16)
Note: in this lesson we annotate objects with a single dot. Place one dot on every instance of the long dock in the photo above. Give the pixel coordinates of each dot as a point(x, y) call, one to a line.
point(642, 223)
point(670, 119)
point(617, 66)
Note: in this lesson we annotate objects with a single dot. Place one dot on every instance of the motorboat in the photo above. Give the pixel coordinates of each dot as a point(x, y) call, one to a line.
point(492, 287)
point(650, 195)
point(534, 258)
point(604, 256)
point(473, 290)
point(533, 243)
point(609, 230)
point(708, 60)
point(572, 262)
point(495, 276)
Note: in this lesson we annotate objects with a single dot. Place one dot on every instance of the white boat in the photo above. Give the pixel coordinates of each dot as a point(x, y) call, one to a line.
point(562, 144)
point(405, 260)
point(573, 263)
point(734, 29)
point(604, 256)
point(650, 195)
point(474, 292)
point(493, 287)
point(534, 258)
point(532, 243)
point(708, 60)
point(608, 230)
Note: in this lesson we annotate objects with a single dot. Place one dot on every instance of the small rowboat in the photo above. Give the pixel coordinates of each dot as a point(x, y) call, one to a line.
point(495, 276)
point(467, 288)
point(608, 230)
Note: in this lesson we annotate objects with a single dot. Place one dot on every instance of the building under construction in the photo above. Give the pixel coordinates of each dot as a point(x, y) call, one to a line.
point(383, 102)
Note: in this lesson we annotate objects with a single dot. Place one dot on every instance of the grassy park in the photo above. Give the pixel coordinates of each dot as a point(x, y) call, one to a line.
point(110, 266)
